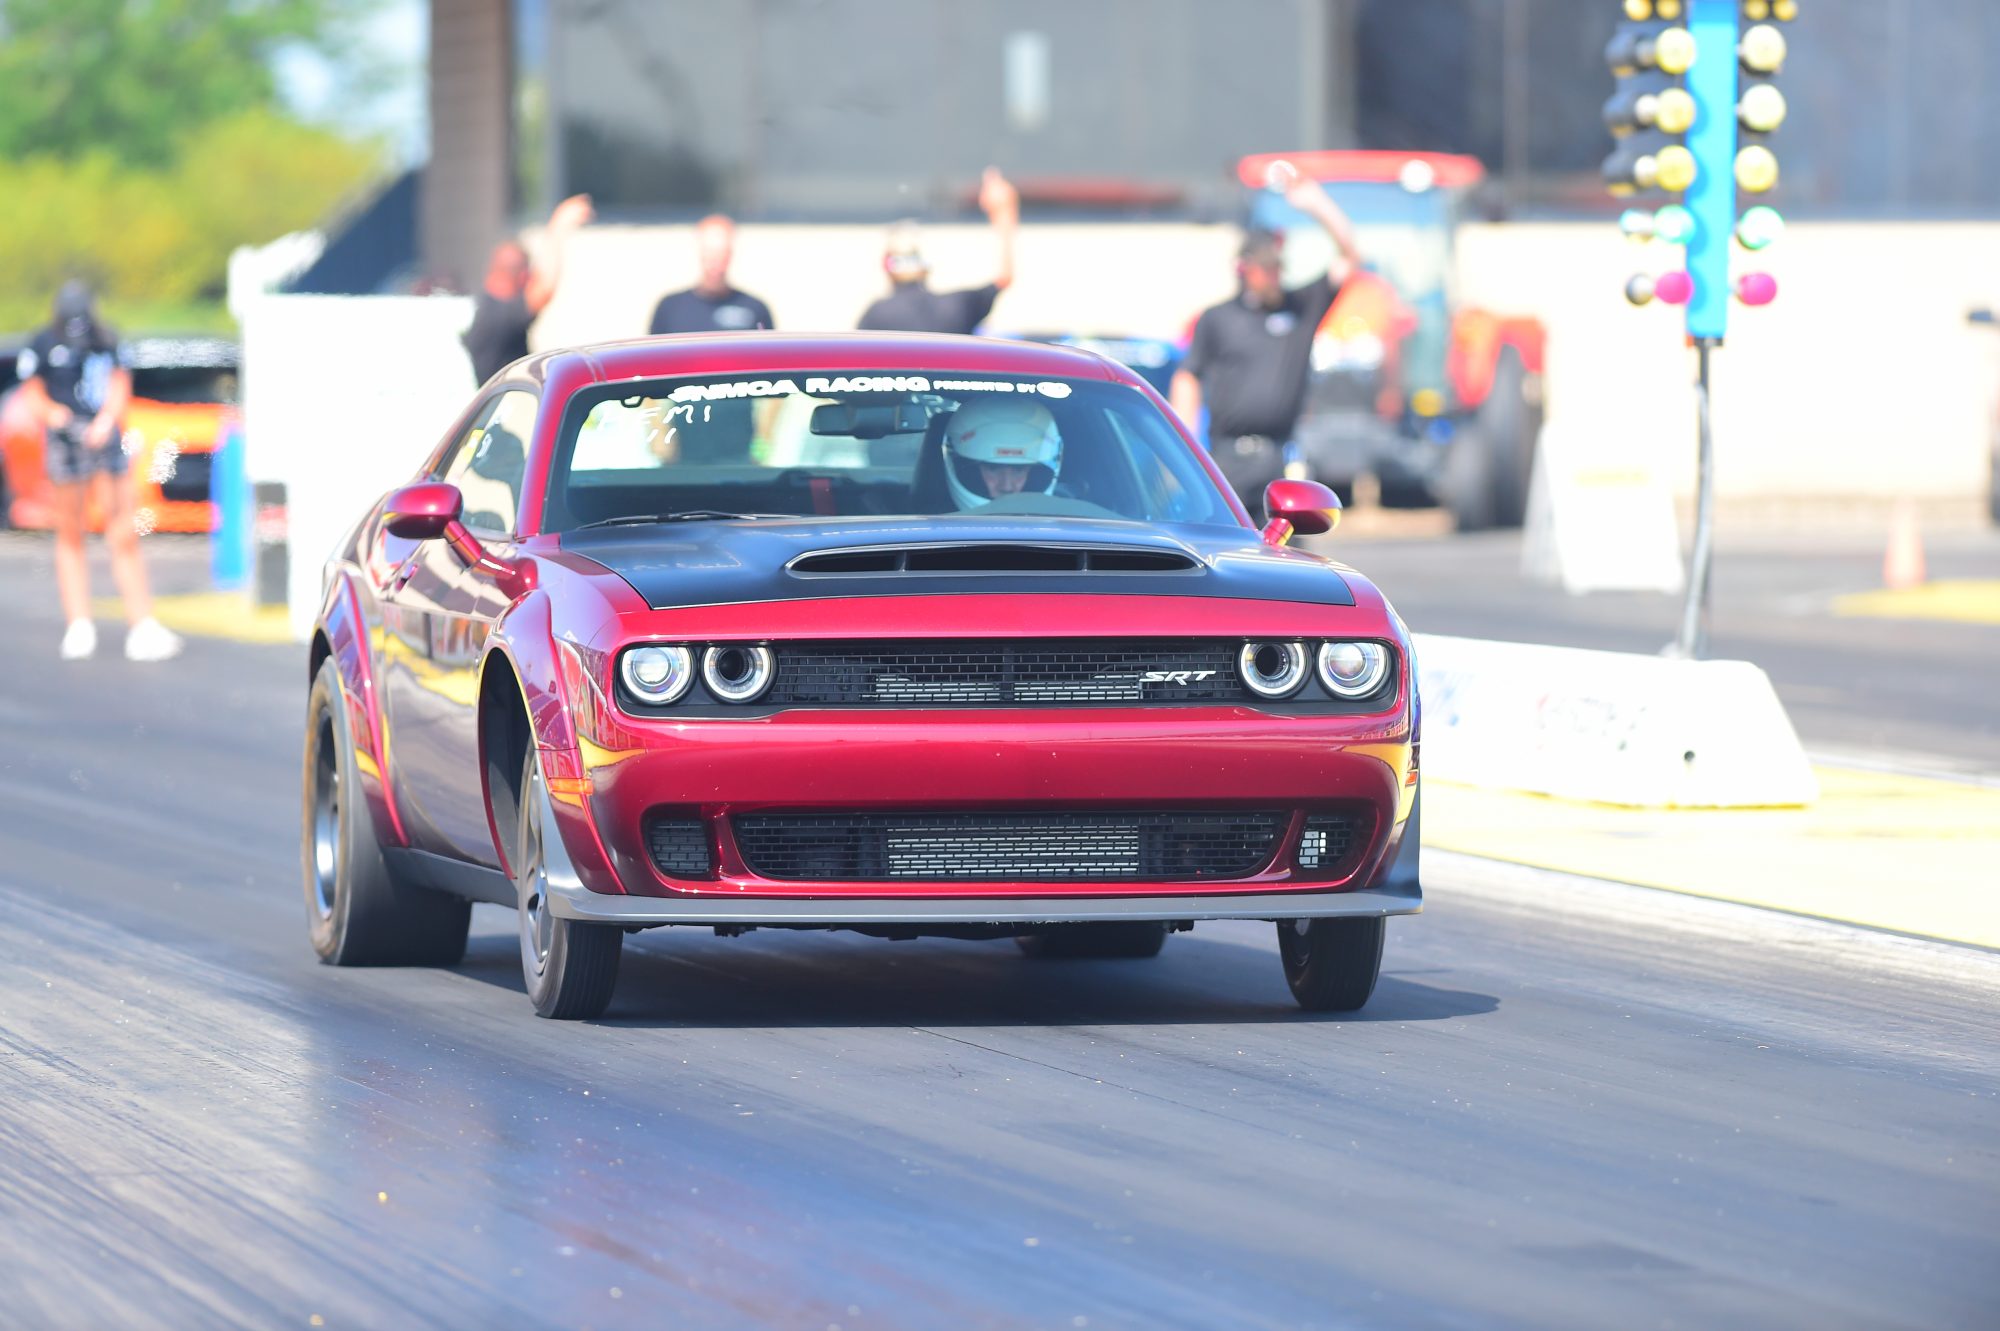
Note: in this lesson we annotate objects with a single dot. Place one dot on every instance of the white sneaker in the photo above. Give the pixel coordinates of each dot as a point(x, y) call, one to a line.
point(150, 640)
point(79, 640)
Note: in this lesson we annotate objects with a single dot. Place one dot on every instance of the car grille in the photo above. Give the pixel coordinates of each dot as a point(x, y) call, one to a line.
point(1022, 672)
point(190, 479)
point(1075, 845)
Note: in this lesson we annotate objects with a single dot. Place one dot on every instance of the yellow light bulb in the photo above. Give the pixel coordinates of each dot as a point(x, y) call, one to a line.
point(1762, 108)
point(1762, 49)
point(1673, 168)
point(1673, 50)
point(1673, 110)
point(1638, 10)
point(1756, 169)
point(1756, 10)
point(1786, 10)
point(1668, 8)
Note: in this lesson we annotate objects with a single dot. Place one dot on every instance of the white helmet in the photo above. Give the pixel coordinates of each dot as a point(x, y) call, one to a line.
point(1004, 431)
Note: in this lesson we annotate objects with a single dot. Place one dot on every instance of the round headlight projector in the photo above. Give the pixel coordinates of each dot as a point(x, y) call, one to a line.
point(1272, 669)
point(657, 674)
point(737, 673)
point(1352, 669)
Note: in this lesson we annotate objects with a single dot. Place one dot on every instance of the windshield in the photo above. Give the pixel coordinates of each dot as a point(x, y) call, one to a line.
point(873, 444)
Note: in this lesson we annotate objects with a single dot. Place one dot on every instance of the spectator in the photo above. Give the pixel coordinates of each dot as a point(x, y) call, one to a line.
point(75, 382)
point(711, 305)
point(911, 306)
point(1250, 356)
point(516, 292)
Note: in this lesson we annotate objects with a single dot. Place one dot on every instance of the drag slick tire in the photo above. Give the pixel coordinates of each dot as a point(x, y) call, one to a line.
point(570, 968)
point(1332, 964)
point(357, 914)
point(1103, 941)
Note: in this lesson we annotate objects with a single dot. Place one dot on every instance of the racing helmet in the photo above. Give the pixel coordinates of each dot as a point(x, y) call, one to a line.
point(1005, 431)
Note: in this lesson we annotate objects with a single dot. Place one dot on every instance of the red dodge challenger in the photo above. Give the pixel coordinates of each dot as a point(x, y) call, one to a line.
point(906, 635)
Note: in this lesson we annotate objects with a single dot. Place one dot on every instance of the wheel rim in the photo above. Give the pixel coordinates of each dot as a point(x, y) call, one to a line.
point(1295, 944)
point(326, 820)
point(531, 880)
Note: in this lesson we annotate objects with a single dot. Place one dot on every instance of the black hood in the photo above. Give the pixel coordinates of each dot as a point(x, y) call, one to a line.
point(723, 562)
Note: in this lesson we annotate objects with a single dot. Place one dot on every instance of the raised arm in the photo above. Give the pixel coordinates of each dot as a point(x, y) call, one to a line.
point(1311, 198)
point(569, 217)
point(1001, 203)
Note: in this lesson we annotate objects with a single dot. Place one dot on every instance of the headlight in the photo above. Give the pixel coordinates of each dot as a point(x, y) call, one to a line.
point(737, 674)
point(1272, 669)
point(657, 673)
point(1352, 669)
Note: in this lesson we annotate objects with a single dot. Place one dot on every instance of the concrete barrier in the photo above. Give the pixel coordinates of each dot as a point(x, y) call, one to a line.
point(1609, 727)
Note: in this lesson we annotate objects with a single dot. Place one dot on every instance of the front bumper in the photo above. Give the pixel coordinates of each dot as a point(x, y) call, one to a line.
point(1396, 889)
point(1198, 759)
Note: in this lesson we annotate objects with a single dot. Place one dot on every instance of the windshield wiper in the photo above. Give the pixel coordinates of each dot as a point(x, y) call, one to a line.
point(685, 515)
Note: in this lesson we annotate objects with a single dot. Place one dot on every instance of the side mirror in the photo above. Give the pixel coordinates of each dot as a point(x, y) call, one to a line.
point(1306, 508)
point(424, 511)
point(1982, 315)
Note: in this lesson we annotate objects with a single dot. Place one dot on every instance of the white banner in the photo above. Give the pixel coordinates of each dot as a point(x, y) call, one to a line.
point(343, 398)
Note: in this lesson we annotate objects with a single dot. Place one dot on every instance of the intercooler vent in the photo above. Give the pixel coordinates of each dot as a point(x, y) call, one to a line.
point(1326, 841)
point(989, 557)
point(679, 847)
point(1069, 845)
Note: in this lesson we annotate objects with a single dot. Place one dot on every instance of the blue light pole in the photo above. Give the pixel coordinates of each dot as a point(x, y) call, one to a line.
point(1711, 200)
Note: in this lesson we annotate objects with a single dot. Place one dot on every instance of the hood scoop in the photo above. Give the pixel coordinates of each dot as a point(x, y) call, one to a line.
point(988, 557)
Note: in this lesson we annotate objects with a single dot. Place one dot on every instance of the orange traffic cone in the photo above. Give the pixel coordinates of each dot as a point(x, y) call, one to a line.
point(1903, 562)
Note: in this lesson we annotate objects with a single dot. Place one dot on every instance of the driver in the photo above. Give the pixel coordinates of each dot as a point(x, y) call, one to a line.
point(995, 447)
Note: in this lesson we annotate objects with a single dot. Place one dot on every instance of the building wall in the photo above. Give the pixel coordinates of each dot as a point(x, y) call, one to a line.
point(866, 107)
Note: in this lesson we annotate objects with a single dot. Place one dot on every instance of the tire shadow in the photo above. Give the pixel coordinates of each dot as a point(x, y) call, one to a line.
point(808, 979)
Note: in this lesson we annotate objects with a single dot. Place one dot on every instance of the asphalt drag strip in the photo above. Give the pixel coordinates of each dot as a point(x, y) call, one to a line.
point(1571, 1103)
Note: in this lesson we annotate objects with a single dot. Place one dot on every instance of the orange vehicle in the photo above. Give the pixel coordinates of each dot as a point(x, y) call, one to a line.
point(183, 405)
point(1441, 402)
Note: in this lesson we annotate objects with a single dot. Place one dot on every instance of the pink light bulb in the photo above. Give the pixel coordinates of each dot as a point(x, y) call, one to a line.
point(1756, 288)
point(1674, 288)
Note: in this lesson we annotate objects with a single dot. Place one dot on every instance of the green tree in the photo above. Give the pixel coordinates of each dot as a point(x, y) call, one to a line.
point(131, 77)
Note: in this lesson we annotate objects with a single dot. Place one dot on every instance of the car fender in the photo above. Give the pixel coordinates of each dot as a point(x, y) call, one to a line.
point(345, 628)
point(523, 641)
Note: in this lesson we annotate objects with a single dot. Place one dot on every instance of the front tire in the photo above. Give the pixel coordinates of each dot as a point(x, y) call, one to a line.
point(1332, 964)
point(571, 968)
point(357, 914)
point(1107, 940)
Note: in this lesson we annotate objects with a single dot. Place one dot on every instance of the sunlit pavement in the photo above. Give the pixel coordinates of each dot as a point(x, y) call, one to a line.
point(1571, 1103)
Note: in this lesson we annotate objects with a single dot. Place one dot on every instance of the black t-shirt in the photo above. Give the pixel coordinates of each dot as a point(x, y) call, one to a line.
point(75, 371)
point(498, 335)
point(692, 312)
point(913, 307)
point(1252, 361)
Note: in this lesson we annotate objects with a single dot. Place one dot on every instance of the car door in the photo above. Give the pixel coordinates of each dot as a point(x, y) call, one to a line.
point(435, 709)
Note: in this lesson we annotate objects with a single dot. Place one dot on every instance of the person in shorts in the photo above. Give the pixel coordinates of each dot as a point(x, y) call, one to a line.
point(74, 381)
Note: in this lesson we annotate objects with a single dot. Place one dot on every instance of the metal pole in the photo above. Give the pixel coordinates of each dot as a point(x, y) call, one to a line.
point(1693, 641)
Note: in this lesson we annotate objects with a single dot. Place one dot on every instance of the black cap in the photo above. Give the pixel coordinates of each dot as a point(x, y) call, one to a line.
point(1262, 246)
point(74, 300)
